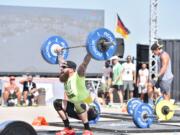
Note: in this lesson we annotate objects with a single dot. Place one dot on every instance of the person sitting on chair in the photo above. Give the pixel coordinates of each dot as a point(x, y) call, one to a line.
point(30, 92)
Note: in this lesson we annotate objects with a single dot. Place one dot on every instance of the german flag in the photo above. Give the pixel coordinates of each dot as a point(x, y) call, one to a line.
point(121, 29)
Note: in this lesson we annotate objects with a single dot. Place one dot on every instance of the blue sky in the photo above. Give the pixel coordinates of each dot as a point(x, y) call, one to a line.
point(134, 14)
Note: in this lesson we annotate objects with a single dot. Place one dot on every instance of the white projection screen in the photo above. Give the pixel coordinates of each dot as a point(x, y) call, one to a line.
point(23, 30)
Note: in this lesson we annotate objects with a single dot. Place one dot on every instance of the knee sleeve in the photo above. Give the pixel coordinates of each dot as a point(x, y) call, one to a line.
point(58, 104)
point(80, 107)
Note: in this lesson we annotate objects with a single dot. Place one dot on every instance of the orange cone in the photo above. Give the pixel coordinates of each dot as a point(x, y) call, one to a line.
point(39, 121)
point(124, 109)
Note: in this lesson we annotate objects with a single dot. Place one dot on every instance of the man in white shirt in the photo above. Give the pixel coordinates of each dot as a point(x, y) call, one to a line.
point(142, 80)
point(129, 76)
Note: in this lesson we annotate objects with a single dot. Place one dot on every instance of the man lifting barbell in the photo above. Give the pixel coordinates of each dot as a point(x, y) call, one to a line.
point(100, 45)
point(79, 97)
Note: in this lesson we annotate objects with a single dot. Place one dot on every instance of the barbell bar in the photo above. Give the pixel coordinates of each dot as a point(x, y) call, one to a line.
point(106, 44)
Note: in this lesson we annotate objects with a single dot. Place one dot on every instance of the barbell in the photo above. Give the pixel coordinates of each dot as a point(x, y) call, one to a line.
point(100, 44)
point(145, 114)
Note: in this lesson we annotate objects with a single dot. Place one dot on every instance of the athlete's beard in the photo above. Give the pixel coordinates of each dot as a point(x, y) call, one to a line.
point(63, 76)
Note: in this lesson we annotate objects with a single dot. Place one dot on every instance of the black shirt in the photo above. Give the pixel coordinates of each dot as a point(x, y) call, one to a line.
point(28, 86)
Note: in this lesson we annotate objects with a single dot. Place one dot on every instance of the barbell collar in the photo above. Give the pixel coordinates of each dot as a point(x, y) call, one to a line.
point(166, 112)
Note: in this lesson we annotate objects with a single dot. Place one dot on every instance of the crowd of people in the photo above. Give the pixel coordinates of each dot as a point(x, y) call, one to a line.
point(120, 77)
point(123, 78)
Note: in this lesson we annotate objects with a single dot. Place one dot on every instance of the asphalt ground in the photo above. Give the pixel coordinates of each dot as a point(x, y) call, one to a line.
point(112, 121)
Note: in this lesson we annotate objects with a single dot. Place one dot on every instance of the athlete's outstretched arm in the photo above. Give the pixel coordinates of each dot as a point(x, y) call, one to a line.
point(82, 68)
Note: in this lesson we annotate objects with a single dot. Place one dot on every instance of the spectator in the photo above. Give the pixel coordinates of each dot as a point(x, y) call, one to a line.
point(117, 83)
point(106, 82)
point(149, 97)
point(11, 94)
point(142, 80)
point(30, 92)
point(129, 76)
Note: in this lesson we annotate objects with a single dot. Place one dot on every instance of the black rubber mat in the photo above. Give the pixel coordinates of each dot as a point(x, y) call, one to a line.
point(121, 126)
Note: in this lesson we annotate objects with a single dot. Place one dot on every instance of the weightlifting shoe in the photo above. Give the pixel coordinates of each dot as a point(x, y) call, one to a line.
point(87, 132)
point(66, 131)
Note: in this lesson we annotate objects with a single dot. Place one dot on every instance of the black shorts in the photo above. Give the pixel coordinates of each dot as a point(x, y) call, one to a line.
point(92, 114)
point(12, 96)
point(25, 90)
point(117, 87)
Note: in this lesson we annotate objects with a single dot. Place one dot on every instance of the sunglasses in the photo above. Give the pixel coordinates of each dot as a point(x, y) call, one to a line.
point(64, 67)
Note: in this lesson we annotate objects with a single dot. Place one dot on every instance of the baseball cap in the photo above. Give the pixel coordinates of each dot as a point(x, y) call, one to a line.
point(115, 58)
point(70, 64)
